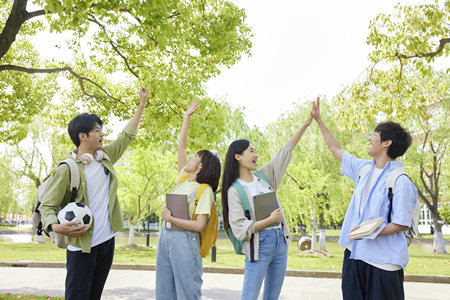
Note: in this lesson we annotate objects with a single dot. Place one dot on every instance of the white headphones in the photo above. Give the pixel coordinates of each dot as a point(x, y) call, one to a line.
point(87, 158)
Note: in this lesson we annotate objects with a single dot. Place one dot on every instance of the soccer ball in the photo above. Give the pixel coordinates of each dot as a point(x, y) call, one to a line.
point(76, 212)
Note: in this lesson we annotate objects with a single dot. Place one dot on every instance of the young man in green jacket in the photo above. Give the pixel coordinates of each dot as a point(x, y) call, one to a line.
point(90, 251)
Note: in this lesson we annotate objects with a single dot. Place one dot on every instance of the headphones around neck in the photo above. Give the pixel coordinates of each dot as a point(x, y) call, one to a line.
point(87, 158)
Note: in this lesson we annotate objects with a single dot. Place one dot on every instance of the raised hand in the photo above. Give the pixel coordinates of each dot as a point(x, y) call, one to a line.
point(316, 109)
point(143, 94)
point(311, 116)
point(192, 107)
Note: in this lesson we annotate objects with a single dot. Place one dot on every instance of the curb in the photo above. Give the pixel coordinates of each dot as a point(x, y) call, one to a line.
point(224, 270)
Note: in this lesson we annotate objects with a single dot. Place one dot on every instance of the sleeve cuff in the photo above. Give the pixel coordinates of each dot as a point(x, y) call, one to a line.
point(48, 223)
point(289, 146)
point(130, 131)
point(376, 232)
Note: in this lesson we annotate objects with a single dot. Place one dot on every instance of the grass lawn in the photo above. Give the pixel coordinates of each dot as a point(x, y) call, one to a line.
point(422, 260)
point(26, 297)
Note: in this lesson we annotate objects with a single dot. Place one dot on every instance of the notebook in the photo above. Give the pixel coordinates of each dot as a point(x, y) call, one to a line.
point(265, 204)
point(366, 228)
point(178, 206)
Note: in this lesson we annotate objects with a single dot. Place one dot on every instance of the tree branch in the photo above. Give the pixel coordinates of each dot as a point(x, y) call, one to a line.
point(302, 187)
point(113, 45)
point(34, 14)
point(422, 170)
point(80, 78)
point(438, 50)
point(425, 200)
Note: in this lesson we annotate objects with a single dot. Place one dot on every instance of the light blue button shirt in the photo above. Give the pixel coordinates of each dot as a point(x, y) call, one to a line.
point(390, 249)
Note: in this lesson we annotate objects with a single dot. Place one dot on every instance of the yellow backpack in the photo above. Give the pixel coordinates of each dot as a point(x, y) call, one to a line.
point(208, 236)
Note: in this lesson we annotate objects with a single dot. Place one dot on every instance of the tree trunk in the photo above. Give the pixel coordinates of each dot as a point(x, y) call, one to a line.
point(438, 240)
point(131, 234)
point(322, 236)
point(313, 228)
point(313, 236)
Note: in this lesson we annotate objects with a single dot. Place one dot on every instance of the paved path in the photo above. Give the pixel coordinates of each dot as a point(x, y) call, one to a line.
point(132, 284)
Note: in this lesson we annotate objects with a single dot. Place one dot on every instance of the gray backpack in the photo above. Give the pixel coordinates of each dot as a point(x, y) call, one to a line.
point(58, 239)
point(390, 187)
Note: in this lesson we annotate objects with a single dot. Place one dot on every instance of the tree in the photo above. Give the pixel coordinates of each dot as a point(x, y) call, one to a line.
point(402, 85)
point(108, 49)
point(8, 201)
point(146, 175)
point(444, 212)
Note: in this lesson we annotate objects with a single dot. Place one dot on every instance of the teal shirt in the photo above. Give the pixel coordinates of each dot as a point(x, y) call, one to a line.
point(58, 192)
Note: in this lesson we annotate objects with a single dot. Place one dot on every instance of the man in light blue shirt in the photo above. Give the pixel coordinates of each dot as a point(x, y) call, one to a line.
point(373, 266)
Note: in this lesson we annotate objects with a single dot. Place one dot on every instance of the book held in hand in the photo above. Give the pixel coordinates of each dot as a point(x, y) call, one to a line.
point(178, 206)
point(265, 204)
point(366, 228)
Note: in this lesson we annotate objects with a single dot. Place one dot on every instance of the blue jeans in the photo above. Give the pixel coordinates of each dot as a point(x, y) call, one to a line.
point(178, 265)
point(271, 267)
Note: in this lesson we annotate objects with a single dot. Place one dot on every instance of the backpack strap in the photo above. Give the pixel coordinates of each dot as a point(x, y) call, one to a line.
point(198, 195)
point(180, 181)
point(364, 170)
point(243, 196)
point(182, 178)
point(390, 186)
point(246, 206)
point(263, 177)
point(74, 177)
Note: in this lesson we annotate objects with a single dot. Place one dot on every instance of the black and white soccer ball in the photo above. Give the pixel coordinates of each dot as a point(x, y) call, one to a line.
point(76, 212)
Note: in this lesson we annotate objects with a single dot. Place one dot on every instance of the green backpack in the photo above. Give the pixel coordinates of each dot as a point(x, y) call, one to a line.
point(238, 244)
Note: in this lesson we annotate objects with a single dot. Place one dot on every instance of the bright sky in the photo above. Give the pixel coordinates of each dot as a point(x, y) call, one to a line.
point(301, 49)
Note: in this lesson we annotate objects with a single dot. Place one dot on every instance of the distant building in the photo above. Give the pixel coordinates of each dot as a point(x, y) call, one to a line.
point(426, 221)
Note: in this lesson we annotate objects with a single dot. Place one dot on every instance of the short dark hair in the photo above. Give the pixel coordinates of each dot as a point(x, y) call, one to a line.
point(231, 173)
point(83, 123)
point(210, 172)
point(401, 139)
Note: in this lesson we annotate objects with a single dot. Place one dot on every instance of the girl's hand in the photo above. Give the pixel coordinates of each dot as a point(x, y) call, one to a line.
point(192, 107)
point(309, 119)
point(316, 109)
point(276, 215)
point(166, 214)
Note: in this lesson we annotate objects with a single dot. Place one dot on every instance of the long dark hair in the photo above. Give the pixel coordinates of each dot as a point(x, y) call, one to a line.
point(210, 172)
point(231, 173)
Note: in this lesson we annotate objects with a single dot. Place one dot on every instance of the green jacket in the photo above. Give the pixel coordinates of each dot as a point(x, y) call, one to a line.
point(58, 192)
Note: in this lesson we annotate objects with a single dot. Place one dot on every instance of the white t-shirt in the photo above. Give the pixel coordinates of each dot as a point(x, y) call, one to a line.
point(257, 188)
point(97, 182)
point(369, 185)
point(365, 195)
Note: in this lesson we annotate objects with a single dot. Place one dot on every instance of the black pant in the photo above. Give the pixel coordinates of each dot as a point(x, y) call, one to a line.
point(361, 280)
point(87, 272)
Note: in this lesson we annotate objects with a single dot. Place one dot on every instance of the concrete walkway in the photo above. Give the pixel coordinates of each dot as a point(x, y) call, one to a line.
point(134, 284)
